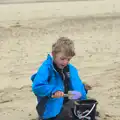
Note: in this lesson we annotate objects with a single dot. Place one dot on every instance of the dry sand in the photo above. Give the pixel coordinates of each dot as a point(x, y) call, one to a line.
point(27, 32)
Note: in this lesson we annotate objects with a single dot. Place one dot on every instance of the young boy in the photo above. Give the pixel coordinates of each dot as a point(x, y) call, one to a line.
point(55, 77)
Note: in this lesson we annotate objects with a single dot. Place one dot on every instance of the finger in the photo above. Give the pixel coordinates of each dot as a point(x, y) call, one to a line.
point(62, 94)
point(53, 96)
point(56, 94)
point(59, 94)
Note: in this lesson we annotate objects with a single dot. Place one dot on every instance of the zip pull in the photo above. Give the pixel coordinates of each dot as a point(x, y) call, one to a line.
point(63, 74)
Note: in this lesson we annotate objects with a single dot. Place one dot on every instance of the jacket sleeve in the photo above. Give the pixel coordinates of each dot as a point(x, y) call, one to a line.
point(40, 85)
point(77, 84)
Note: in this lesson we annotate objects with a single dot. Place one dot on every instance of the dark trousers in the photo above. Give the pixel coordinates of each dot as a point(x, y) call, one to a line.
point(66, 113)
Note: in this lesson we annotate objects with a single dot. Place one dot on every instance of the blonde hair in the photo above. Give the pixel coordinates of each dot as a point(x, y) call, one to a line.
point(65, 45)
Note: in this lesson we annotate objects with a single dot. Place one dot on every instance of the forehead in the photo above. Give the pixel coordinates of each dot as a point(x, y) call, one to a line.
point(62, 55)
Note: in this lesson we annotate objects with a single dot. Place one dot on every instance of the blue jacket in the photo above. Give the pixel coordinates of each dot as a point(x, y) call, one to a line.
point(42, 87)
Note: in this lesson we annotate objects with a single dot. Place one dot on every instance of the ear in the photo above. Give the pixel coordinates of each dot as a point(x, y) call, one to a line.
point(53, 53)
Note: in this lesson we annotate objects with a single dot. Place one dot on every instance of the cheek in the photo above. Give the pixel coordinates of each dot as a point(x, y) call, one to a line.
point(60, 61)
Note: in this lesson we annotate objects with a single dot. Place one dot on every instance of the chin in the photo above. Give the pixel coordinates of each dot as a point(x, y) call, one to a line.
point(62, 67)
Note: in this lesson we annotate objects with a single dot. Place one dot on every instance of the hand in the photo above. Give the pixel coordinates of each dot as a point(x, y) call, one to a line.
point(58, 94)
point(87, 87)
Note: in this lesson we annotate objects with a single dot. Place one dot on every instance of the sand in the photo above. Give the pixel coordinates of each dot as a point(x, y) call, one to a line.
point(27, 32)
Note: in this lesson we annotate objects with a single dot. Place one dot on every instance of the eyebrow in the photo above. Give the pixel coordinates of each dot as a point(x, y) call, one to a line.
point(66, 57)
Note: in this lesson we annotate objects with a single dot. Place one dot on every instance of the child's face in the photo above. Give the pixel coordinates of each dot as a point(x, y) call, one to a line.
point(61, 60)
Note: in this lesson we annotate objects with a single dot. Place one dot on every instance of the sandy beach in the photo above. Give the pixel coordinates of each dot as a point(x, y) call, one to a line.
point(27, 31)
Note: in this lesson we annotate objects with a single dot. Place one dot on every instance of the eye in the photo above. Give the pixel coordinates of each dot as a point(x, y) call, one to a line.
point(62, 58)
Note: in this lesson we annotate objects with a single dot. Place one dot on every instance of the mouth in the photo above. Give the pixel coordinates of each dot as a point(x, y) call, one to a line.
point(62, 66)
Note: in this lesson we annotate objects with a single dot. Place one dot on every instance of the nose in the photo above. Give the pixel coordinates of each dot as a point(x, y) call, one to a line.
point(66, 62)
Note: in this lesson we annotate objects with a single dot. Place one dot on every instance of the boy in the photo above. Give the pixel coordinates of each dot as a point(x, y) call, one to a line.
point(54, 78)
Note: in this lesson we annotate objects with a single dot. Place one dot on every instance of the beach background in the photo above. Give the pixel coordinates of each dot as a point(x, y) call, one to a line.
point(27, 30)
